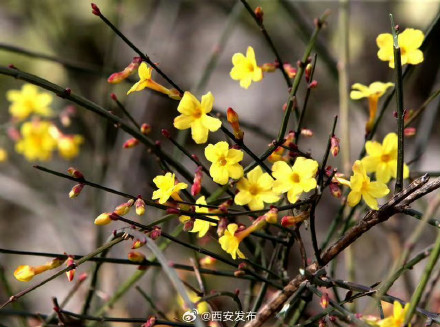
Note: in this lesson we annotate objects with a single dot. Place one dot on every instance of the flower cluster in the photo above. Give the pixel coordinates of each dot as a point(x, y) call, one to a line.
point(36, 137)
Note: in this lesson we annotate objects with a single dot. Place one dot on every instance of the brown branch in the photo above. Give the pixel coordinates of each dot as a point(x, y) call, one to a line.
point(415, 190)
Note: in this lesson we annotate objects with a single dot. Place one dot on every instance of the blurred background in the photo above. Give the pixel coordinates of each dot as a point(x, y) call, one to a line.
point(182, 37)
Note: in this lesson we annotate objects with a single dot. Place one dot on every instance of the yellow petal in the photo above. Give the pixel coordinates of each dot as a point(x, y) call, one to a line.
point(281, 169)
point(250, 55)
point(373, 148)
point(242, 198)
point(390, 143)
point(211, 153)
point(234, 156)
point(384, 40)
point(199, 133)
point(370, 201)
point(353, 198)
point(207, 102)
point(144, 71)
point(188, 104)
point(219, 173)
point(183, 122)
point(411, 39)
point(378, 189)
point(254, 175)
point(237, 59)
point(415, 57)
point(235, 171)
point(211, 123)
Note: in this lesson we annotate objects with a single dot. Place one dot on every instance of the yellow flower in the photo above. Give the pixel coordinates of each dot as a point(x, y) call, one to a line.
point(3, 155)
point(255, 190)
point(200, 226)
point(382, 159)
point(145, 80)
point(194, 115)
point(167, 188)
point(294, 180)
point(230, 241)
point(202, 307)
point(361, 186)
point(409, 42)
point(373, 93)
point(245, 68)
point(398, 317)
point(225, 162)
point(37, 142)
point(68, 146)
point(28, 101)
point(25, 273)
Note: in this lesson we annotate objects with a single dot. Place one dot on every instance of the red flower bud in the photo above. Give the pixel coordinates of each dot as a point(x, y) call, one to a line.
point(259, 14)
point(334, 149)
point(335, 190)
point(136, 256)
point(197, 184)
point(114, 97)
point(324, 300)
point(232, 118)
point(138, 243)
point(409, 131)
point(155, 233)
point(75, 173)
point(306, 132)
point(95, 10)
point(76, 190)
point(145, 129)
point(70, 262)
point(140, 206)
point(166, 133)
point(131, 143)
point(313, 84)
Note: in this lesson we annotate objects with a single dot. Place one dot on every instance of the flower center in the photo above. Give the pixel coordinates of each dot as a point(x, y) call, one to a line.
point(385, 157)
point(254, 189)
point(197, 113)
point(250, 67)
point(295, 178)
point(222, 161)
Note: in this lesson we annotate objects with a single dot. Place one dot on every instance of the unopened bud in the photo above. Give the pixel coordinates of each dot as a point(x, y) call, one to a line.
point(188, 225)
point(76, 190)
point(313, 84)
point(150, 322)
point(409, 131)
point(118, 77)
point(124, 208)
point(322, 323)
point(290, 70)
point(324, 300)
point(334, 149)
point(242, 265)
point(271, 216)
point(131, 143)
point(55, 263)
point(140, 206)
point(103, 219)
point(269, 67)
point(145, 129)
point(197, 183)
point(166, 133)
point(75, 173)
point(335, 190)
point(155, 233)
point(308, 72)
point(173, 211)
point(233, 119)
point(136, 256)
point(207, 261)
point(95, 10)
point(222, 225)
point(290, 221)
point(138, 243)
point(239, 273)
point(70, 262)
point(306, 132)
point(259, 14)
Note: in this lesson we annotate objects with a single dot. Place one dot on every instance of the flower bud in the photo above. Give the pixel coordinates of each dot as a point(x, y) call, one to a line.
point(324, 300)
point(308, 72)
point(150, 322)
point(131, 143)
point(313, 84)
point(222, 225)
point(155, 233)
point(173, 211)
point(136, 256)
point(290, 221)
point(239, 273)
point(140, 206)
point(334, 149)
point(124, 208)
point(103, 219)
point(95, 10)
point(335, 190)
point(207, 261)
point(271, 216)
point(70, 262)
point(242, 265)
point(259, 14)
point(24, 273)
point(232, 118)
point(409, 131)
point(188, 225)
point(76, 190)
point(174, 94)
point(145, 129)
point(82, 277)
point(290, 70)
point(116, 78)
point(138, 243)
point(166, 133)
point(75, 173)
point(55, 263)
point(197, 184)
point(306, 132)
point(269, 67)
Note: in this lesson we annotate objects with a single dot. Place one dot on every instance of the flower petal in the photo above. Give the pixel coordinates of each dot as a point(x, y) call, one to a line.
point(211, 123)
point(188, 104)
point(183, 122)
point(199, 133)
point(353, 198)
point(207, 102)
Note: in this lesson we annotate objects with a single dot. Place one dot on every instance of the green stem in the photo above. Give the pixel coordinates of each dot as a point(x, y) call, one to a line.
point(399, 103)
